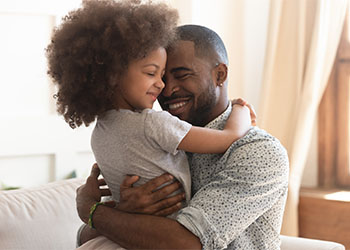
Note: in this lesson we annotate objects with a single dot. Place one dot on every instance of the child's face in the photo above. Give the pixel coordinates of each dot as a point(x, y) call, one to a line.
point(142, 82)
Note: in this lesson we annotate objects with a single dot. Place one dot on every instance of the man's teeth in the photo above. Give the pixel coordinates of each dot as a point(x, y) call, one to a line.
point(177, 105)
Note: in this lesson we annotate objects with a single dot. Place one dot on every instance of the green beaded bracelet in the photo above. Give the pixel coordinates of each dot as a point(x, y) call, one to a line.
point(92, 211)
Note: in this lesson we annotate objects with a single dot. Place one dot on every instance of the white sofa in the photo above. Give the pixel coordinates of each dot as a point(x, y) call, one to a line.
point(45, 218)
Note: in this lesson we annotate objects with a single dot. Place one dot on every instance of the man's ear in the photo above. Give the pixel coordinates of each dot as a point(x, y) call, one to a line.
point(220, 74)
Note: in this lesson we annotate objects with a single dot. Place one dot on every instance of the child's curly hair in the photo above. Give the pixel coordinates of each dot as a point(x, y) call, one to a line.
point(96, 43)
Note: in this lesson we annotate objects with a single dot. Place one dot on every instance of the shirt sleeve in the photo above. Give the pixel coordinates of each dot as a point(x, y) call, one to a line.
point(165, 130)
point(250, 183)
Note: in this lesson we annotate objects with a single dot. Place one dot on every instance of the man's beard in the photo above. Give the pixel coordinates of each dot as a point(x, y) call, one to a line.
point(199, 115)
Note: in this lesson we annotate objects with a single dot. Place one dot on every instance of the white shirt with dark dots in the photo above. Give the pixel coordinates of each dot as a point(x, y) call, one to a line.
point(239, 196)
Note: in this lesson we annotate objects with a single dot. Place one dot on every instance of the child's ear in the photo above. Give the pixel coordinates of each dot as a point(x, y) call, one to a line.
point(113, 80)
point(220, 74)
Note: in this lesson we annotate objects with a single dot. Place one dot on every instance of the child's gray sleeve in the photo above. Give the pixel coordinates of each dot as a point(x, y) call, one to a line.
point(166, 130)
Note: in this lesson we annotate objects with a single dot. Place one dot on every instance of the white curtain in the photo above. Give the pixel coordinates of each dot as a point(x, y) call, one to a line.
point(302, 42)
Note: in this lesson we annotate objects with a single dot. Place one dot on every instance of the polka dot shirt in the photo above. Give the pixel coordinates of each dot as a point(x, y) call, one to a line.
point(238, 197)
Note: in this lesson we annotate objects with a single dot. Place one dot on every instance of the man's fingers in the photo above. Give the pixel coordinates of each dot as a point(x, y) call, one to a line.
point(157, 182)
point(102, 182)
point(129, 181)
point(109, 203)
point(166, 206)
point(105, 192)
point(168, 203)
point(170, 210)
point(165, 191)
point(95, 171)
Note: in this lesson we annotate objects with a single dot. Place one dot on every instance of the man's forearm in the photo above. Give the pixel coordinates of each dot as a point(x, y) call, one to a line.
point(143, 231)
point(87, 234)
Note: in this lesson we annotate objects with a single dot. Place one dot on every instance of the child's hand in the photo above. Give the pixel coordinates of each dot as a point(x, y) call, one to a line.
point(242, 102)
point(239, 101)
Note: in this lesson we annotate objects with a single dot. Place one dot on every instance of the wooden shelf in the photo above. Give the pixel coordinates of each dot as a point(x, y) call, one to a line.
point(325, 215)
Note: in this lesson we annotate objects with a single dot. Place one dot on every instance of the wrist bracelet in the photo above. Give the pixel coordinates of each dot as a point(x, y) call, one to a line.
point(92, 211)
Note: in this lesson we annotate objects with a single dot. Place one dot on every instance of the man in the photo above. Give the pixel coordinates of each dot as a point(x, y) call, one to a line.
point(238, 197)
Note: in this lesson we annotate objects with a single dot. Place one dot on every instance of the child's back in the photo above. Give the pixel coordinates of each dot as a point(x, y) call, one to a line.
point(135, 143)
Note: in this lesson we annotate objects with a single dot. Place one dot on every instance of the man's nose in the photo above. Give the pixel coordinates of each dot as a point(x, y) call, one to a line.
point(169, 86)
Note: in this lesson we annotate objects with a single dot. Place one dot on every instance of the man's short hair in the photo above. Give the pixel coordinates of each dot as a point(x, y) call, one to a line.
point(207, 42)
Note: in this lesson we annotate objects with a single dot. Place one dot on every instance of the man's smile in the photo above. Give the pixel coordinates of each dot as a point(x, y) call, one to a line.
point(177, 105)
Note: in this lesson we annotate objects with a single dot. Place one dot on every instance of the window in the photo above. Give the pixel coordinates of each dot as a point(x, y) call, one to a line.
point(35, 141)
point(334, 120)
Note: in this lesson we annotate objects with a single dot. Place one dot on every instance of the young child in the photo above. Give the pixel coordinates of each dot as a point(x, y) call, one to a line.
point(107, 60)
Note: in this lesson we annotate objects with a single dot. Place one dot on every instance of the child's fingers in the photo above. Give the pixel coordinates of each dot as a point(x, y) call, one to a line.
point(252, 111)
point(252, 114)
point(239, 101)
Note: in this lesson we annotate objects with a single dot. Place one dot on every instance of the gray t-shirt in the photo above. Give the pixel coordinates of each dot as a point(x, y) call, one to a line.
point(140, 143)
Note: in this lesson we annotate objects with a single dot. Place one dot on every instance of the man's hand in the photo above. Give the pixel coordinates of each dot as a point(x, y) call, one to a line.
point(134, 231)
point(90, 193)
point(147, 199)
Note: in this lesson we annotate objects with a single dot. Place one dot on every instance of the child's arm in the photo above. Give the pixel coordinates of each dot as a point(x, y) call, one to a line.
point(204, 140)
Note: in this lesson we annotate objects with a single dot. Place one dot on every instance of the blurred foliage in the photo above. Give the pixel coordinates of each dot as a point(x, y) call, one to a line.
point(71, 175)
point(5, 187)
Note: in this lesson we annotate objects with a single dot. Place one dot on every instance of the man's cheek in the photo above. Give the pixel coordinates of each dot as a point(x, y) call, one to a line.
point(186, 116)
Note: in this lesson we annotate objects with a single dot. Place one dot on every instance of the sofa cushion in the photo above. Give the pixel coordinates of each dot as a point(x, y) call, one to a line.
point(298, 243)
point(42, 217)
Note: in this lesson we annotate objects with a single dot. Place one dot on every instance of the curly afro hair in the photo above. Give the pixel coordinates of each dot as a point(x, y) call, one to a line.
point(96, 43)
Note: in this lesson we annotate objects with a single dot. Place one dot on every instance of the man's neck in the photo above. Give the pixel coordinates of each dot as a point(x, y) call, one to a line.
point(218, 110)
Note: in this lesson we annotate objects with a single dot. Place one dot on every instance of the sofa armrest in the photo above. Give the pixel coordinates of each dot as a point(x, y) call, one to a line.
point(298, 243)
point(42, 217)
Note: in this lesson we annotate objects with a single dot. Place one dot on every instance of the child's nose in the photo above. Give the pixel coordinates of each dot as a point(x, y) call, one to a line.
point(160, 84)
